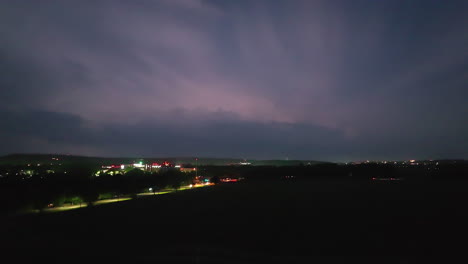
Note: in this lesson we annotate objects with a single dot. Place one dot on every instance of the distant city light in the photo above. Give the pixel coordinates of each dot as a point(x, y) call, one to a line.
point(138, 165)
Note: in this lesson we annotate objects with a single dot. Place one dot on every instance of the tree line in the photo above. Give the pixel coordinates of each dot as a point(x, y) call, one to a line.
point(79, 186)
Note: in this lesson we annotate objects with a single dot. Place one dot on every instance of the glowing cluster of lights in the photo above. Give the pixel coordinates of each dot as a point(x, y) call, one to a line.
point(229, 180)
point(138, 165)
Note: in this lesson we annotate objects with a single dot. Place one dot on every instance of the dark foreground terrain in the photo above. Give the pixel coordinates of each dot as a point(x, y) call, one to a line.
point(256, 222)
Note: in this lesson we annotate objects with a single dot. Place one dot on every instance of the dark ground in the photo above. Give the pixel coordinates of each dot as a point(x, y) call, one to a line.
point(330, 221)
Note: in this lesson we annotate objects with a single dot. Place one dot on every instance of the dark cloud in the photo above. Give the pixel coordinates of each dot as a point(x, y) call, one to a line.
point(328, 80)
point(39, 131)
point(216, 137)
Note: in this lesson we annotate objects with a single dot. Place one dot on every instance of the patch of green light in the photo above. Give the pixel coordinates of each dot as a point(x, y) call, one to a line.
point(106, 201)
point(63, 208)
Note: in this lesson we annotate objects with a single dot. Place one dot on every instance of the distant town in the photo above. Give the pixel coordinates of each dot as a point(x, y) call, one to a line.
point(26, 166)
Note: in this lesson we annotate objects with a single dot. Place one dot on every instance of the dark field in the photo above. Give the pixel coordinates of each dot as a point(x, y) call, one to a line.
point(256, 222)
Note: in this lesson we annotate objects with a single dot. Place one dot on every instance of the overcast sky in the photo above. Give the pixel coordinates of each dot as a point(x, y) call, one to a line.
point(322, 80)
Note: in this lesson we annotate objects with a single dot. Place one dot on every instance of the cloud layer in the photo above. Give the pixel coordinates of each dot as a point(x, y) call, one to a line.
point(258, 79)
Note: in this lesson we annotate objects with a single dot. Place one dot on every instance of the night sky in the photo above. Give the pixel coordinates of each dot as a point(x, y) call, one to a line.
point(321, 80)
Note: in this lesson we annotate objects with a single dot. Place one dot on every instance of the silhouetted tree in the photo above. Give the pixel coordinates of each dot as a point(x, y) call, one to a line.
point(215, 179)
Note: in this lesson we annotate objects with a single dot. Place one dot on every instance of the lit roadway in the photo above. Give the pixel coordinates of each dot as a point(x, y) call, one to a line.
point(106, 201)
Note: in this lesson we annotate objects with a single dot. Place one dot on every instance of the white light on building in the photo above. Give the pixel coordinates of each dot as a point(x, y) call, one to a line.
point(138, 165)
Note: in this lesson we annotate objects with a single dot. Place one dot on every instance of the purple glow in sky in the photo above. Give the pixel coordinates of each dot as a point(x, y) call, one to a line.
point(325, 80)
